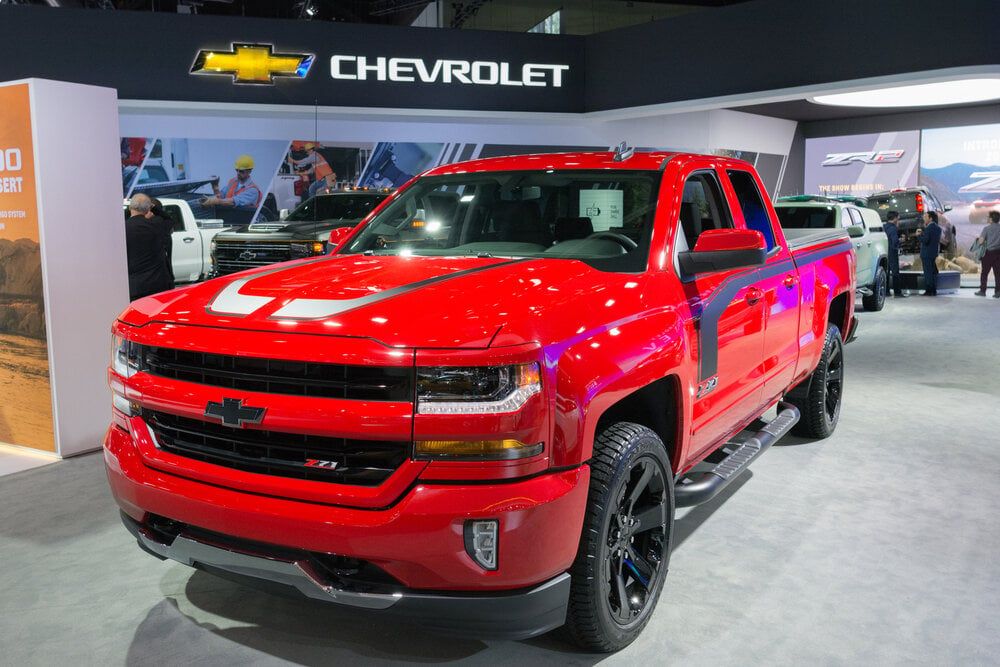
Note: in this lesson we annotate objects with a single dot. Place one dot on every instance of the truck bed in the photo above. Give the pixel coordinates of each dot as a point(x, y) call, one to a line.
point(802, 238)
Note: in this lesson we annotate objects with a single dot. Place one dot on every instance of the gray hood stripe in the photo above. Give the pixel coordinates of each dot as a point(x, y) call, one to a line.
point(318, 309)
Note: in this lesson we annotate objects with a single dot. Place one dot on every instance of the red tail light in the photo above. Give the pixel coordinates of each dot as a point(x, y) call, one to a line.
point(300, 188)
point(920, 203)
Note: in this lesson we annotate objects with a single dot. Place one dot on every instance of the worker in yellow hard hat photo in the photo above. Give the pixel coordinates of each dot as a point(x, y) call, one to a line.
point(240, 192)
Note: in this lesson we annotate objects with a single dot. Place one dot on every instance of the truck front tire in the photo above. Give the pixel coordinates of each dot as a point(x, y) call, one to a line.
point(625, 546)
point(819, 396)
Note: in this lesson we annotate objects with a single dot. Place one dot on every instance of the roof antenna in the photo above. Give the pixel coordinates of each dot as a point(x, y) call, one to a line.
point(623, 152)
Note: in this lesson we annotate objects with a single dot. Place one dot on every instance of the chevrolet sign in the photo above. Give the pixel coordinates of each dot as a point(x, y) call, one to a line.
point(476, 72)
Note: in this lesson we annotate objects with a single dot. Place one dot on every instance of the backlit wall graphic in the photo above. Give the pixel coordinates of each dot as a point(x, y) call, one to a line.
point(25, 392)
point(861, 164)
point(961, 165)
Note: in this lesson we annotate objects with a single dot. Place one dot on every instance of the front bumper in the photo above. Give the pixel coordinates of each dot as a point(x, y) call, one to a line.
point(417, 542)
point(515, 614)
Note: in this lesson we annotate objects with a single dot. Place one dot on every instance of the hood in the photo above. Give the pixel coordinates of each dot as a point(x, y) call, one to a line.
point(273, 231)
point(425, 302)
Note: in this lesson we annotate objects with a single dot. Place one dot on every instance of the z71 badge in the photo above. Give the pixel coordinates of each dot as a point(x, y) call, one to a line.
point(319, 463)
point(708, 386)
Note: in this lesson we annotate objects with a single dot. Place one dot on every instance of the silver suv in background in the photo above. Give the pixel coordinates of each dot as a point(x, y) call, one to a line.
point(801, 215)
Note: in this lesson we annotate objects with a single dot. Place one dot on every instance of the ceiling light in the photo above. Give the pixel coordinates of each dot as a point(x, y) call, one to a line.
point(961, 91)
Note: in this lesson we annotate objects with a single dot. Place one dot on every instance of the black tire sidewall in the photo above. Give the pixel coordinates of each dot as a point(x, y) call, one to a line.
point(876, 301)
point(610, 471)
point(810, 398)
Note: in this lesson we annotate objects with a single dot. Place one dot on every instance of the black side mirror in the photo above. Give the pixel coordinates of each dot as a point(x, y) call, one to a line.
point(724, 249)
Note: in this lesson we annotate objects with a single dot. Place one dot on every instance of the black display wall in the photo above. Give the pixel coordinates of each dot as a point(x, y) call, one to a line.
point(149, 56)
point(770, 45)
point(735, 50)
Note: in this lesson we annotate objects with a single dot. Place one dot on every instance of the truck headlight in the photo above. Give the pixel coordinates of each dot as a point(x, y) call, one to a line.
point(125, 362)
point(124, 356)
point(457, 390)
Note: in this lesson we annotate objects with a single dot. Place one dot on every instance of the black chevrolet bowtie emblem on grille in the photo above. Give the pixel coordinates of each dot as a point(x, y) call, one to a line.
point(232, 412)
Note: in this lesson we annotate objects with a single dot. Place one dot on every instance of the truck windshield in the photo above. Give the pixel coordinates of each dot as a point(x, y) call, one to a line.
point(337, 206)
point(604, 218)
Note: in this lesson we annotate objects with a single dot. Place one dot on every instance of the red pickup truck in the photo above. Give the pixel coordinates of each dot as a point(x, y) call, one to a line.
point(481, 410)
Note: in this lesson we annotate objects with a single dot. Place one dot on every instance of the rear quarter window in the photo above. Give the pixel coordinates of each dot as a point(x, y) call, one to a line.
point(806, 217)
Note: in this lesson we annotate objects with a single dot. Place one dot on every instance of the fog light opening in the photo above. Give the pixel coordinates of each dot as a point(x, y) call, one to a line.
point(481, 542)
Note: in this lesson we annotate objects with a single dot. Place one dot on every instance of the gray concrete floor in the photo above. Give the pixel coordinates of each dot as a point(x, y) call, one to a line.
point(873, 547)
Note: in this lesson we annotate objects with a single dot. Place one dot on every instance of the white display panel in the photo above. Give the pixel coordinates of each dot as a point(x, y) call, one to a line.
point(82, 239)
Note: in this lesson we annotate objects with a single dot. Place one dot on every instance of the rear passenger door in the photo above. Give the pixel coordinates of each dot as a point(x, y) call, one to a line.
point(186, 253)
point(865, 271)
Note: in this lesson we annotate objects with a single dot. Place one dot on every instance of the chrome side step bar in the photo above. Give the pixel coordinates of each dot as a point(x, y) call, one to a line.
point(688, 492)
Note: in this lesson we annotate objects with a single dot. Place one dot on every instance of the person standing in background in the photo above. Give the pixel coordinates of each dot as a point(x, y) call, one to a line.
point(159, 215)
point(892, 233)
point(990, 238)
point(949, 239)
point(145, 249)
point(930, 245)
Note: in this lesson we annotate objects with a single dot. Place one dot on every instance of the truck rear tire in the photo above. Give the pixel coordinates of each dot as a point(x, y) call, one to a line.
point(819, 396)
point(876, 300)
point(625, 546)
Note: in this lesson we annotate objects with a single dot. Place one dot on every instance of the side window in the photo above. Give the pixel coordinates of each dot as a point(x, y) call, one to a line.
point(752, 204)
point(855, 217)
point(174, 212)
point(702, 206)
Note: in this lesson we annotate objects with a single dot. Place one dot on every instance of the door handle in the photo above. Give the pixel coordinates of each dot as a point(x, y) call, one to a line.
point(188, 239)
point(789, 281)
point(754, 295)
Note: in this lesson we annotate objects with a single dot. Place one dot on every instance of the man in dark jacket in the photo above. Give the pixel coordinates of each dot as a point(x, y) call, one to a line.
point(146, 248)
point(159, 215)
point(892, 233)
point(930, 245)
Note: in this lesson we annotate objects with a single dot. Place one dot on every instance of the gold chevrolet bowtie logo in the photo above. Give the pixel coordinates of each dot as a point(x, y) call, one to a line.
point(252, 63)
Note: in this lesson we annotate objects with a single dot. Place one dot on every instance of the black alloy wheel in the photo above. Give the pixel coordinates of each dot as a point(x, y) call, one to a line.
point(819, 397)
point(876, 301)
point(625, 547)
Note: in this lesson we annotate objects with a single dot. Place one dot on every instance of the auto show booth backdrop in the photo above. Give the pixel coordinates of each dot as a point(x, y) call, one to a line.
point(656, 85)
point(62, 262)
point(388, 101)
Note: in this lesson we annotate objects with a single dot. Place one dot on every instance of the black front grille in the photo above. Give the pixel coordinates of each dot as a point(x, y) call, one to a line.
point(280, 376)
point(308, 457)
point(233, 256)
